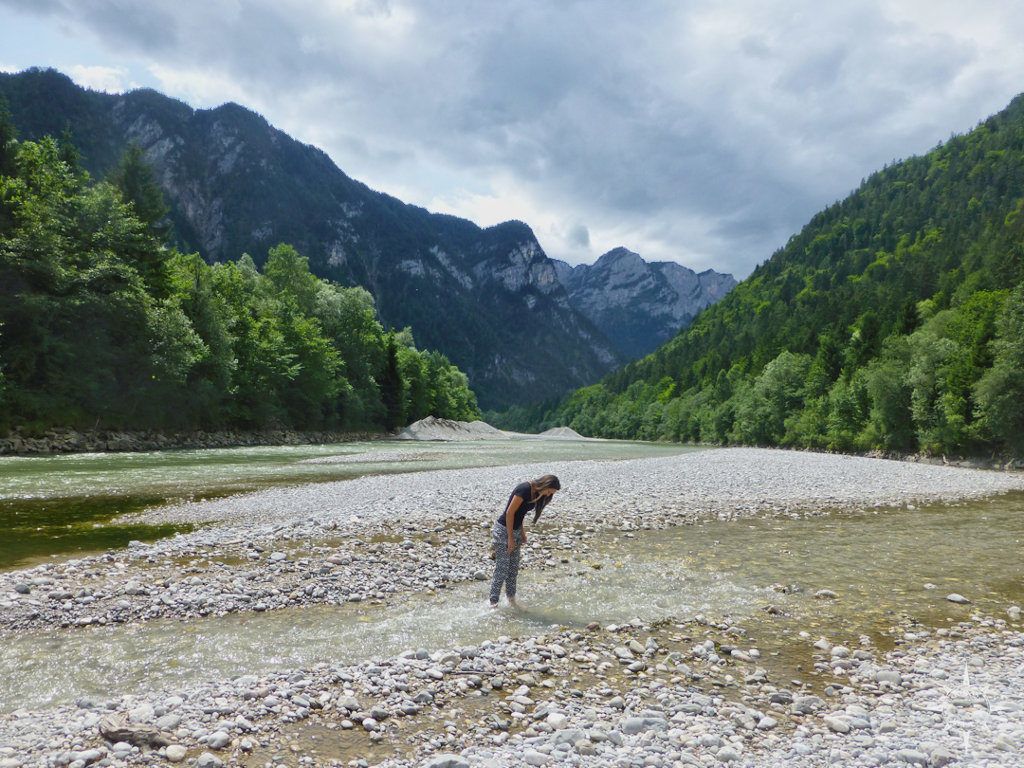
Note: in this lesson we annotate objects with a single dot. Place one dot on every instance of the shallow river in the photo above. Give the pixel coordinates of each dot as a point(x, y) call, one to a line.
point(64, 504)
point(882, 564)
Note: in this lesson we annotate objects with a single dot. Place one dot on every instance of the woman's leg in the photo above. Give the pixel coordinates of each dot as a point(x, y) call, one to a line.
point(513, 568)
point(501, 561)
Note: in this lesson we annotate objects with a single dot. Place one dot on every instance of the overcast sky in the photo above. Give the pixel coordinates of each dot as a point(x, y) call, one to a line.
point(701, 132)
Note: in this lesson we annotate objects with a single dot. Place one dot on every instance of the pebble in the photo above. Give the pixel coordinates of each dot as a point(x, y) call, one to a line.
point(533, 757)
point(218, 740)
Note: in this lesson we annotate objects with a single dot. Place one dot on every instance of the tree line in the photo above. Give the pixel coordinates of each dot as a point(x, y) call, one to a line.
point(893, 321)
point(102, 325)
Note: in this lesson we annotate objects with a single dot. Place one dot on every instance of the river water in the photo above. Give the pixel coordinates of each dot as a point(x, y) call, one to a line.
point(65, 504)
point(883, 565)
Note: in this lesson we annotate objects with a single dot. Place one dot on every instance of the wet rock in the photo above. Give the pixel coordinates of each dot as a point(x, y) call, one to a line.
point(115, 729)
point(175, 753)
point(954, 597)
point(806, 705)
point(207, 760)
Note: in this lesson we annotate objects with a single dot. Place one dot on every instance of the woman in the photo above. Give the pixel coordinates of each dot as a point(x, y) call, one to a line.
point(508, 534)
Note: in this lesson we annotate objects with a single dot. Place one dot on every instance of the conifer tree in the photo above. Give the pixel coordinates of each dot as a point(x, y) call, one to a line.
point(391, 386)
point(134, 178)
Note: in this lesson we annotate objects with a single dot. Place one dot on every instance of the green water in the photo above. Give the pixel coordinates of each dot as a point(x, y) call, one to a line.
point(33, 529)
point(64, 505)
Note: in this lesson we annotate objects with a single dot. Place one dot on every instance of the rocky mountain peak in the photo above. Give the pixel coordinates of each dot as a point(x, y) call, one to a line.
point(640, 304)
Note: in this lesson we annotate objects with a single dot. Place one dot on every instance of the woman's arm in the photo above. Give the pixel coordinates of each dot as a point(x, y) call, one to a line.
point(510, 519)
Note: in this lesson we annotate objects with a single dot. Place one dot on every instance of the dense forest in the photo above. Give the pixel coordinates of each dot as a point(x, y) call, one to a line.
point(893, 321)
point(102, 325)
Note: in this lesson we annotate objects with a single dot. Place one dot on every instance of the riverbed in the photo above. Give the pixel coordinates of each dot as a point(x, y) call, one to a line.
point(710, 590)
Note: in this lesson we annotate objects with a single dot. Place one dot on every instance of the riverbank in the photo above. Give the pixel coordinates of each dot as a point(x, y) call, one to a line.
point(61, 441)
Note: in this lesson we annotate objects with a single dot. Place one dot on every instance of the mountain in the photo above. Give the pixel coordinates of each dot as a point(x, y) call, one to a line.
point(637, 304)
point(893, 321)
point(488, 298)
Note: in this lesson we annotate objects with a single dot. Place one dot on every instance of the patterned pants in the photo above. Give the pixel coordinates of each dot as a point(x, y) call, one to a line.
point(506, 566)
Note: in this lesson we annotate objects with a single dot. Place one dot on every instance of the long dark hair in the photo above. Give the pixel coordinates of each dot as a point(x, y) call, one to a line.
point(543, 483)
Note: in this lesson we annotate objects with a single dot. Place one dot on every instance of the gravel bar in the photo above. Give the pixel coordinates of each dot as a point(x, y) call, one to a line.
point(374, 537)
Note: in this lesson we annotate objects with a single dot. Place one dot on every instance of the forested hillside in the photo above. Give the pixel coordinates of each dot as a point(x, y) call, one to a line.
point(894, 320)
point(488, 298)
point(102, 325)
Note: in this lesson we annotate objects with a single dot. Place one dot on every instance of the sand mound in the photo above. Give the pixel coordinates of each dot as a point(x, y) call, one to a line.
point(562, 433)
point(432, 428)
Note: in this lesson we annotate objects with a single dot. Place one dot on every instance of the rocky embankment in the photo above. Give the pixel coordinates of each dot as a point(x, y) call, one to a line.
point(96, 441)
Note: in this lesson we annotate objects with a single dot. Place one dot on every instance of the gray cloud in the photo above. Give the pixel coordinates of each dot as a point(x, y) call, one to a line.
point(580, 236)
point(707, 132)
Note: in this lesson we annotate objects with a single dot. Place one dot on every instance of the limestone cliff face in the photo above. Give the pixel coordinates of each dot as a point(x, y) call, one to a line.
point(639, 304)
point(490, 299)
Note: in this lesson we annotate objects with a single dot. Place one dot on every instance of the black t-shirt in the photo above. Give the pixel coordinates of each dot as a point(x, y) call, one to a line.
point(523, 491)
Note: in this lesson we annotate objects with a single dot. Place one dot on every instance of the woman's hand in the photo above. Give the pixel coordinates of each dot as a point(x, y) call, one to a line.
point(512, 544)
point(523, 534)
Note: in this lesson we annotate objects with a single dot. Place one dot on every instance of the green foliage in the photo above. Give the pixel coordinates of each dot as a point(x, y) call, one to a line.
point(135, 180)
point(102, 325)
point(892, 321)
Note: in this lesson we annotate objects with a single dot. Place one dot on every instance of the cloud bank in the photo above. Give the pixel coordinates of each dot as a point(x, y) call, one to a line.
point(701, 132)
